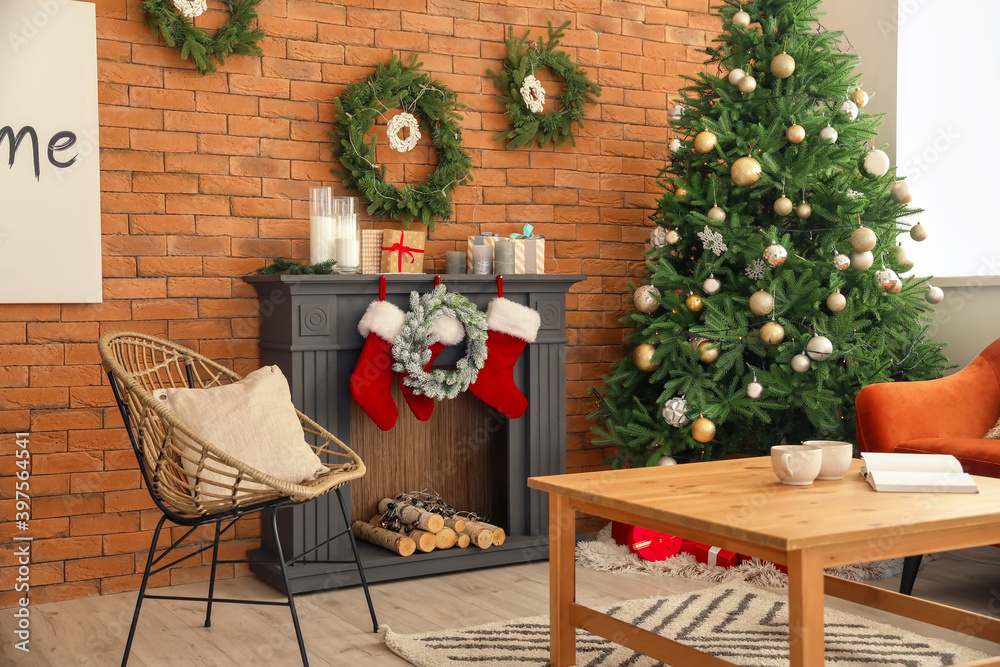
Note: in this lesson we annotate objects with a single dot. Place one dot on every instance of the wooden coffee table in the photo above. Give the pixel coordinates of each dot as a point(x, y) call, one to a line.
point(741, 506)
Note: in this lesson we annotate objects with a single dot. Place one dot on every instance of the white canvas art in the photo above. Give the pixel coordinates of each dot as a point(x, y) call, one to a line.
point(50, 191)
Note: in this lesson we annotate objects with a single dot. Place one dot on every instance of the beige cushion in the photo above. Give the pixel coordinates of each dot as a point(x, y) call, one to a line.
point(253, 421)
point(994, 433)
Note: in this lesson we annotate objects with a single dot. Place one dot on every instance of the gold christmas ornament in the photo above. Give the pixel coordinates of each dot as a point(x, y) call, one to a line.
point(796, 134)
point(745, 171)
point(705, 142)
point(646, 299)
point(841, 261)
point(901, 193)
point(741, 18)
point(672, 237)
point(803, 210)
point(918, 232)
point(836, 302)
point(717, 214)
point(643, 357)
point(783, 205)
point(782, 66)
point(862, 261)
point(800, 363)
point(694, 303)
point(709, 352)
point(703, 429)
point(775, 255)
point(863, 239)
point(819, 348)
point(747, 84)
point(761, 303)
point(680, 192)
point(897, 288)
point(901, 257)
point(772, 333)
point(860, 98)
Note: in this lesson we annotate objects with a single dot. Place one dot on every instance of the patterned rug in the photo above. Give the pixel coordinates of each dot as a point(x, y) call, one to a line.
point(603, 554)
point(747, 626)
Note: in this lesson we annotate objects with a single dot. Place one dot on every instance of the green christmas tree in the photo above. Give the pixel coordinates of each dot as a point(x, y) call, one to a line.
point(772, 291)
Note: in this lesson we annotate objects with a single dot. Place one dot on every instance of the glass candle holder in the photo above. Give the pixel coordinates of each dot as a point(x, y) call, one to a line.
point(454, 261)
point(322, 225)
point(503, 257)
point(482, 260)
point(347, 244)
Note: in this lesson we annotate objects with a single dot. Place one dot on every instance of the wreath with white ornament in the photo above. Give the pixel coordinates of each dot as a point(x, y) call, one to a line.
point(424, 101)
point(411, 346)
point(524, 95)
point(174, 20)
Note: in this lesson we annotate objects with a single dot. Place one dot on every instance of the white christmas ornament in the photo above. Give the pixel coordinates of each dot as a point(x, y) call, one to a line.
point(673, 237)
point(800, 363)
point(862, 261)
point(658, 237)
point(850, 109)
point(829, 134)
point(190, 9)
point(673, 411)
point(876, 163)
point(901, 193)
point(675, 145)
point(775, 255)
point(666, 461)
point(934, 294)
point(741, 18)
point(819, 348)
point(533, 94)
point(747, 84)
point(397, 123)
point(736, 75)
point(711, 284)
point(675, 113)
point(755, 389)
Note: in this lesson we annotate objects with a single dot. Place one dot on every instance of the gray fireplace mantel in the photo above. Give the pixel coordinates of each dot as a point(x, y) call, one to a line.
point(308, 327)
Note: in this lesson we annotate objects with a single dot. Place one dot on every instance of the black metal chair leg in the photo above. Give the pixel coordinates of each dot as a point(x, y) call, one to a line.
point(288, 586)
point(357, 559)
point(211, 580)
point(142, 590)
point(911, 565)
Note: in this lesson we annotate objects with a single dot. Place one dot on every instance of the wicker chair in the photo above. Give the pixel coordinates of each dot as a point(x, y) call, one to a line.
point(137, 365)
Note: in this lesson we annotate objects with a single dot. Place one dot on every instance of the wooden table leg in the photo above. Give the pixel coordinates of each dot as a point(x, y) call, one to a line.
point(806, 635)
point(562, 580)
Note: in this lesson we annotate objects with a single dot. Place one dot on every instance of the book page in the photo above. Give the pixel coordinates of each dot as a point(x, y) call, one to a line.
point(876, 461)
point(921, 482)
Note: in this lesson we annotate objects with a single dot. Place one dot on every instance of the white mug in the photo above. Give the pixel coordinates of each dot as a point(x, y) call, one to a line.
point(836, 458)
point(796, 465)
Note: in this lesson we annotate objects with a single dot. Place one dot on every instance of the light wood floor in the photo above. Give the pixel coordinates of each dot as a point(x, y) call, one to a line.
point(91, 632)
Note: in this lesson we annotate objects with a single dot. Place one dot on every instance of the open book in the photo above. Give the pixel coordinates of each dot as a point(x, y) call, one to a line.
point(926, 473)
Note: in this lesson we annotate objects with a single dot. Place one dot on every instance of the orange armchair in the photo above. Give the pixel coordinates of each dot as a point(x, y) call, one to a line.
point(948, 415)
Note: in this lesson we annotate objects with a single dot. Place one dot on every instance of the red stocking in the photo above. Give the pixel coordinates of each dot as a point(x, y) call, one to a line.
point(511, 327)
point(372, 377)
point(449, 331)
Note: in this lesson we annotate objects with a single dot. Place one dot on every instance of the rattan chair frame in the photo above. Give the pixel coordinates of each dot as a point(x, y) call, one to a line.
point(137, 364)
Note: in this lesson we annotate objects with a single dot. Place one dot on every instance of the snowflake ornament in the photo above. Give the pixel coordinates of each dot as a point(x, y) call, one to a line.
point(190, 9)
point(755, 269)
point(397, 123)
point(712, 241)
point(533, 94)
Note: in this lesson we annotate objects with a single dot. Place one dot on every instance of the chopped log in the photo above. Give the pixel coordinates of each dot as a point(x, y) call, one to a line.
point(497, 535)
point(463, 541)
point(456, 523)
point(401, 544)
point(425, 541)
point(409, 514)
point(446, 539)
point(480, 536)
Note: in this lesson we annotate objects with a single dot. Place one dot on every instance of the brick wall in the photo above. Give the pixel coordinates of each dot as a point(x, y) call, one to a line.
point(205, 176)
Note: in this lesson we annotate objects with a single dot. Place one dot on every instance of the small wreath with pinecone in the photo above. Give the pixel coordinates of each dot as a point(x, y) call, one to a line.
point(174, 19)
point(524, 95)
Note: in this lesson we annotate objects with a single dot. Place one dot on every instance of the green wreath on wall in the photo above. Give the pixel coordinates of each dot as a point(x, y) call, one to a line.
point(425, 102)
point(524, 95)
point(174, 20)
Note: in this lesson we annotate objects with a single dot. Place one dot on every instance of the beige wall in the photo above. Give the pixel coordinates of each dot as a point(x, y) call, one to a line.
point(969, 317)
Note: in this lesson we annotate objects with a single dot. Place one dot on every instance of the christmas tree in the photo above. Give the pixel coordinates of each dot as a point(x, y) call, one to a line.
point(772, 292)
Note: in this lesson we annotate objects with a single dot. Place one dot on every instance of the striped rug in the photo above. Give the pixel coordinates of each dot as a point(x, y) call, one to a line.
point(747, 626)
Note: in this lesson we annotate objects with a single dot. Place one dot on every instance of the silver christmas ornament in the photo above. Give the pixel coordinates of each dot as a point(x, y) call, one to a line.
point(850, 109)
point(819, 348)
point(673, 412)
point(717, 214)
point(800, 363)
point(675, 112)
point(775, 255)
point(887, 279)
point(658, 237)
point(675, 145)
point(829, 134)
point(934, 294)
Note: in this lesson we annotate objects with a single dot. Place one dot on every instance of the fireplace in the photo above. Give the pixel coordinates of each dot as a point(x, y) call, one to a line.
point(471, 454)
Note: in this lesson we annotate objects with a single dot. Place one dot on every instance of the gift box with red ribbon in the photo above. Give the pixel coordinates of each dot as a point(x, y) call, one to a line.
point(403, 251)
point(645, 543)
point(711, 555)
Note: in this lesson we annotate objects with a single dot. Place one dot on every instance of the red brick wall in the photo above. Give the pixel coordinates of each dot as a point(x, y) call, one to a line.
point(205, 176)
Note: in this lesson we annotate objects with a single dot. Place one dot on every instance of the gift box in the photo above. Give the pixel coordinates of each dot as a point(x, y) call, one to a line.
point(371, 251)
point(403, 251)
point(715, 556)
point(529, 255)
point(479, 239)
point(645, 543)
